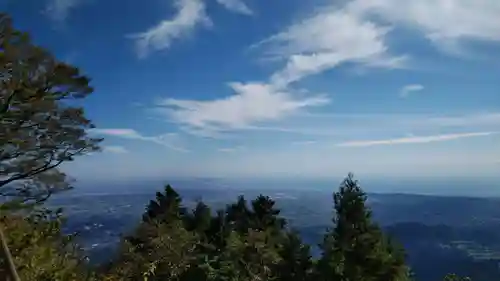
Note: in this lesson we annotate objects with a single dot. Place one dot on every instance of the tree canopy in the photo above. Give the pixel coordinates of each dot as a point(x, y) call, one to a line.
point(250, 241)
point(41, 125)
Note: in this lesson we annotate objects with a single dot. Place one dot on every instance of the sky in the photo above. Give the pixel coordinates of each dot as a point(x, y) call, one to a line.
point(281, 88)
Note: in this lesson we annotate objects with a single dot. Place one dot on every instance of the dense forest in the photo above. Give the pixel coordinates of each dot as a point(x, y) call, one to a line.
point(41, 128)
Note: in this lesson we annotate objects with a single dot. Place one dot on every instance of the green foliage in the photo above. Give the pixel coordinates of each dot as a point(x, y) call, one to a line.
point(356, 249)
point(296, 263)
point(166, 207)
point(251, 242)
point(41, 252)
point(165, 255)
point(40, 128)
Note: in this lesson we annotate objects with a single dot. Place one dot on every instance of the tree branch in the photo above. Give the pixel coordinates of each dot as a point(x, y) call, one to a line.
point(47, 166)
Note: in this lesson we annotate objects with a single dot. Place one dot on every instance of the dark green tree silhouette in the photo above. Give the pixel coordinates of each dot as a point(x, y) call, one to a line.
point(167, 207)
point(356, 249)
point(296, 262)
point(240, 243)
point(161, 248)
point(265, 215)
point(200, 218)
point(238, 216)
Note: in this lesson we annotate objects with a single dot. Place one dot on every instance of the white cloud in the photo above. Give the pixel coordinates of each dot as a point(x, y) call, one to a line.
point(331, 37)
point(231, 149)
point(252, 103)
point(324, 41)
point(58, 10)
point(237, 6)
point(168, 140)
point(408, 89)
point(310, 48)
point(115, 149)
point(190, 14)
point(469, 120)
point(410, 140)
point(446, 23)
point(124, 133)
point(304, 143)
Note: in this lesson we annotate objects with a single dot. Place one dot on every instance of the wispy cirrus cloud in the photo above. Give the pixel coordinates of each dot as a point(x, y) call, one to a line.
point(169, 140)
point(58, 10)
point(447, 24)
point(470, 120)
point(252, 103)
point(308, 48)
point(304, 143)
point(190, 14)
point(415, 140)
point(237, 6)
point(115, 149)
point(231, 149)
point(409, 89)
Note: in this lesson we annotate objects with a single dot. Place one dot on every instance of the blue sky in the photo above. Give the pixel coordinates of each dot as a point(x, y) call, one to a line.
point(247, 88)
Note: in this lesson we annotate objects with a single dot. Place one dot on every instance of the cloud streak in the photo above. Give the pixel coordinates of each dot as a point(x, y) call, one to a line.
point(116, 149)
point(415, 140)
point(58, 10)
point(447, 24)
point(237, 6)
point(168, 140)
point(231, 149)
point(310, 47)
point(252, 103)
point(307, 47)
point(190, 14)
point(408, 89)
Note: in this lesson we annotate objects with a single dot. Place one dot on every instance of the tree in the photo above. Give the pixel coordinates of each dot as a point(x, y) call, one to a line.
point(166, 207)
point(41, 251)
point(238, 215)
point(296, 262)
point(161, 248)
point(265, 215)
point(200, 218)
point(249, 244)
point(166, 252)
point(356, 249)
point(40, 126)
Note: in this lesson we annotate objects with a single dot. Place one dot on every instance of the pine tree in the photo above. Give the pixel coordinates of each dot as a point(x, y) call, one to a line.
point(166, 207)
point(265, 215)
point(356, 249)
point(296, 261)
point(160, 247)
point(238, 216)
point(200, 218)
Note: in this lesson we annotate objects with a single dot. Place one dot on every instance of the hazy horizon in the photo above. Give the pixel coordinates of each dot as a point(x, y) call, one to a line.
point(430, 186)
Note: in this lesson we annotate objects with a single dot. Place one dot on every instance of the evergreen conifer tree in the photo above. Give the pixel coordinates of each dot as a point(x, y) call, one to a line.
point(200, 218)
point(238, 216)
point(296, 262)
point(356, 249)
point(265, 215)
point(166, 207)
